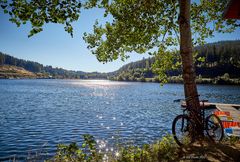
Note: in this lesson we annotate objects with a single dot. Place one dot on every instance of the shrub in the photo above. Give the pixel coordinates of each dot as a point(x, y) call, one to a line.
point(72, 152)
point(163, 150)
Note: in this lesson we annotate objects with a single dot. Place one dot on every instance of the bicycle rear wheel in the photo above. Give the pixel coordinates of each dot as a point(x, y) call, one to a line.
point(181, 129)
point(214, 128)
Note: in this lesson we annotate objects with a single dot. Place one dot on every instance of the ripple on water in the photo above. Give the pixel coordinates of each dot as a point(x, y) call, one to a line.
point(36, 115)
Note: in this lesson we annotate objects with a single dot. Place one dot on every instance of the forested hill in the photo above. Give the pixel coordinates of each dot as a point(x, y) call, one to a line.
point(44, 71)
point(222, 63)
point(222, 59)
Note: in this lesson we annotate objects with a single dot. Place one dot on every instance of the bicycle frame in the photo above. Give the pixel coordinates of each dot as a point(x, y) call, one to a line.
point(195, 113)
point(192, 120)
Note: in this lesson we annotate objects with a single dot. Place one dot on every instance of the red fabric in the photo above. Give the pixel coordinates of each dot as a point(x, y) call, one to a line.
point(218, 113)
point(227, 124)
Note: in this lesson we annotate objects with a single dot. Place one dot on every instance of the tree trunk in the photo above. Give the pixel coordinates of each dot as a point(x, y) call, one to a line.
point(189, 76)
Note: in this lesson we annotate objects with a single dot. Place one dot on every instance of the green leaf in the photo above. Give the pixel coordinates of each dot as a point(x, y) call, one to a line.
point(3, 6)
point(201, 59)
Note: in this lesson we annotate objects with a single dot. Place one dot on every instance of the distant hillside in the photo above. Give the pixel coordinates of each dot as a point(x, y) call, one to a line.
point(221, 65)
point(9, 71)
point(221, 58)
point(48, 71)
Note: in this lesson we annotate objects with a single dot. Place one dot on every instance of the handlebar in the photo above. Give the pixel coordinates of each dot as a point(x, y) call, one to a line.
point(178, 100)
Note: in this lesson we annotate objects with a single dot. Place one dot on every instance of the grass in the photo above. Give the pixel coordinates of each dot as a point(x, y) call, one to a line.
point(164, 150)
point(15, 72)
point(8, 71)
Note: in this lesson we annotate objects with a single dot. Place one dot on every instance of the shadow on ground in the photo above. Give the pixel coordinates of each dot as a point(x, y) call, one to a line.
point(207, 151)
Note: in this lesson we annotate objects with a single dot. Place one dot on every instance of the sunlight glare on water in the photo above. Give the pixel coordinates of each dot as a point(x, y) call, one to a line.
point(99, 83)
point(36, 115)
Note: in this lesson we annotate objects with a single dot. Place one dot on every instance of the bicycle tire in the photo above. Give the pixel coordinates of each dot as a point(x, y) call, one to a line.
point(187, 138)
point(214, 124)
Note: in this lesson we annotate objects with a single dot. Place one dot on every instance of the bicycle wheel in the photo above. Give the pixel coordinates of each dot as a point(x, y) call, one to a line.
point(214, 128)
point(181, 129)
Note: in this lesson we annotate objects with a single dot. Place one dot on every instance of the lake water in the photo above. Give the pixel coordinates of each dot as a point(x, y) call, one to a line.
point(36, 115)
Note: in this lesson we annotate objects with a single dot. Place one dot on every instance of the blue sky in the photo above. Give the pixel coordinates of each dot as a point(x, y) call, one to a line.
point(53, 46)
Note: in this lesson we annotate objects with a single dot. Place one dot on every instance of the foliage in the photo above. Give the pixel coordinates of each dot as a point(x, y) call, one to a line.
point(39, 13)
point(152, 26)
point(72, 152)
point(163, 150)
point(166, 61)
point(219, 53)
point(137, 25)
point(142, 25)
point(219, 58)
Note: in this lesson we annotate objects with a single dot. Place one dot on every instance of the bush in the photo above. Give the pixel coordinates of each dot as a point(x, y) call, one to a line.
point(72, 152)
point(163, 150)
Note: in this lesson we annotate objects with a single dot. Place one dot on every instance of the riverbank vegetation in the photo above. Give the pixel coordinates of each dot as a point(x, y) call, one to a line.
point(164, 150)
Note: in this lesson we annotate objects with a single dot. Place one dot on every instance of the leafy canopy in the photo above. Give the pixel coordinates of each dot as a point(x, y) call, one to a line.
point(40, 12)
point(137, 25)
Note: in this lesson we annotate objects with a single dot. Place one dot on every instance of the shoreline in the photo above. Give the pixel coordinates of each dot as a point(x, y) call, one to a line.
point(206, 81)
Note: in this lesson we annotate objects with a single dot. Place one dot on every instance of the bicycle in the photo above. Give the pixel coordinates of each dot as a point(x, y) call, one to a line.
point(184, 125)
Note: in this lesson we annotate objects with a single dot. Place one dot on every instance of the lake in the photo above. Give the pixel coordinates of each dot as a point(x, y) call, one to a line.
point(36, 115)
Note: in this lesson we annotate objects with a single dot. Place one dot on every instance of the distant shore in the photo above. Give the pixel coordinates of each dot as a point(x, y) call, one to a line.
point(148, 80)
point(178, 79)
point(15, 72)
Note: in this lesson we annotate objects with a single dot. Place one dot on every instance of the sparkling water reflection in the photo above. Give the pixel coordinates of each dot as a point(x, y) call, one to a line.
point(36, 115)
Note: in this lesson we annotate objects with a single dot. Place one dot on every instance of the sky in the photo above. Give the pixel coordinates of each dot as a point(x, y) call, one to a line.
point(53, 46)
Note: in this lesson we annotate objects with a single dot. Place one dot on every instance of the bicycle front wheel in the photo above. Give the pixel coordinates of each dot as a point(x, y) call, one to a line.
point(214, 128)
point(181, 130)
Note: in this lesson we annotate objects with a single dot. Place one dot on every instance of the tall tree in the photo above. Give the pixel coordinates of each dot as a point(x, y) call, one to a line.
point(189, 76)
point(137, 26)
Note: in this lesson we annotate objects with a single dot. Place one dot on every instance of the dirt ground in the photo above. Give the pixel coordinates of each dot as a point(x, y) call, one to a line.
point(214, 152)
